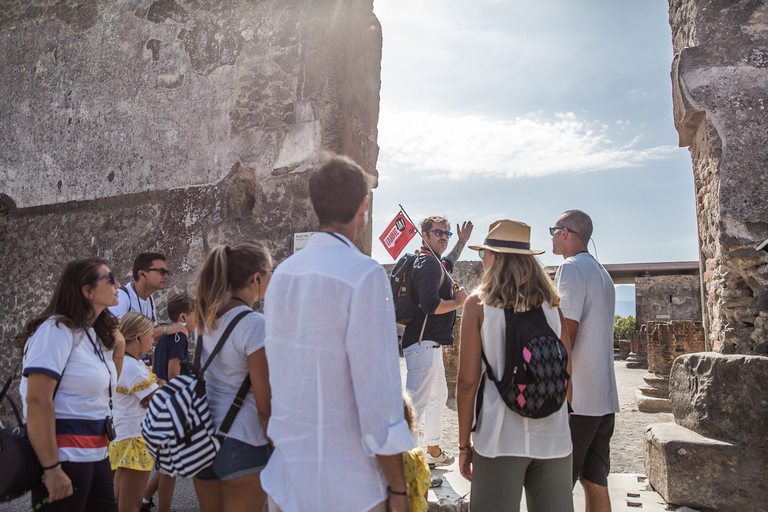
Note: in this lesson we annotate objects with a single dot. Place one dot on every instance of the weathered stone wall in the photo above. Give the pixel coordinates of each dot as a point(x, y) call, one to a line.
point(171, 126)
point(668, 340)
point(665, 298)
point(719, 79)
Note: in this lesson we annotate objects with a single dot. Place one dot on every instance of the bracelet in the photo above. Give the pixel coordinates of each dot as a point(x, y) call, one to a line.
point(390, 491)
point(166, 329)
point(465, 448)
point(54, 466)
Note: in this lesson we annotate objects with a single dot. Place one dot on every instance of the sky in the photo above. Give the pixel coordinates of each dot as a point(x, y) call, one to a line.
point(515, 109)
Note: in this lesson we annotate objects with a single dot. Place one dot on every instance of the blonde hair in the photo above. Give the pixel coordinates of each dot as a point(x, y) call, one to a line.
point(409, 412)
point(132, 325)
point(515, 281)
point(224, 269)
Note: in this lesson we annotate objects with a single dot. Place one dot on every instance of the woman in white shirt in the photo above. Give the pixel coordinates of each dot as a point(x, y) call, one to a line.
point(73, 354)
point(128, 453)
point(509, 452)
point(231, 280)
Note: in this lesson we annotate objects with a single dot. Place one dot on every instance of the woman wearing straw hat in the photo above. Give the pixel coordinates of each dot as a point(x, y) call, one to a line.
point(508, 451)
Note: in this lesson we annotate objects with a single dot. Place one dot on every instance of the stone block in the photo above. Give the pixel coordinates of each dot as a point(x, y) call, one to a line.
point(686, 468)
point(724, 396)
point(647, 403)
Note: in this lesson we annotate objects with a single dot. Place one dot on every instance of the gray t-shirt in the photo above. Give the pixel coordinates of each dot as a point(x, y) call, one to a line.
point(588, 297)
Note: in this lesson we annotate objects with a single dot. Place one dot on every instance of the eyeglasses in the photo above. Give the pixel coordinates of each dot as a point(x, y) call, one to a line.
point(554, 229)
point(163, 271)
point(109, 276)
point(439, 233)
point(481, 253)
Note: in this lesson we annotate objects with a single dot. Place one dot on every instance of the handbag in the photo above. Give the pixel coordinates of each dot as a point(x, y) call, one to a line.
point(19, 468)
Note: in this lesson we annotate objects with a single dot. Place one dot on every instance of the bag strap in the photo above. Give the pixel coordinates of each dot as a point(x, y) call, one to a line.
point(237, 403)
point(219, 345)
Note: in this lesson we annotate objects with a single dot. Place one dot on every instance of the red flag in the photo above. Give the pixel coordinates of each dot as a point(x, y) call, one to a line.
point(397, 235)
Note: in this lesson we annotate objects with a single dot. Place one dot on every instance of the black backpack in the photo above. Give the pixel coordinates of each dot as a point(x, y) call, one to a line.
point(400, 281)
point(535, 377)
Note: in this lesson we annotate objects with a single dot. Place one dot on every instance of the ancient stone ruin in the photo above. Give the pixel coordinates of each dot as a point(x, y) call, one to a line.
point(170, 126)
point(715, 455)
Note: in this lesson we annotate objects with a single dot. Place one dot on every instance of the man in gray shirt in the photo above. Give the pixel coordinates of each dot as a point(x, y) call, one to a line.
point(588, 304)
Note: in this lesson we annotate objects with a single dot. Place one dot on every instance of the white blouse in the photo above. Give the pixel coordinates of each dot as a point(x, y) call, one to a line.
point(502, 432)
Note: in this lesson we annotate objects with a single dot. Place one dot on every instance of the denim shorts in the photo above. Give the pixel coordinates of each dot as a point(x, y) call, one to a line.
point(236, 459)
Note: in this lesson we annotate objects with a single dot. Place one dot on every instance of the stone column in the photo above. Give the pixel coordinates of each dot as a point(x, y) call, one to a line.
point(715, 455)
point(638, 351)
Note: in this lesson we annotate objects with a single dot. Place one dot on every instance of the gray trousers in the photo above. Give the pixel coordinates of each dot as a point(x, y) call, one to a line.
point(497, 484)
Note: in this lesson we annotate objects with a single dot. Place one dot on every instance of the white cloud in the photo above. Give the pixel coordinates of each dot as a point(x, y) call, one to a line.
point(458, 147)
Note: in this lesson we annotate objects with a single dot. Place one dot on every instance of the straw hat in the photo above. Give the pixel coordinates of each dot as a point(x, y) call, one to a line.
point(508, 236)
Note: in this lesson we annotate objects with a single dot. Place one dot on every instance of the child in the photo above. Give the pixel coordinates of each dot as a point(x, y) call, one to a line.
point(170, 352)
point(417, 474)
point(128, 454)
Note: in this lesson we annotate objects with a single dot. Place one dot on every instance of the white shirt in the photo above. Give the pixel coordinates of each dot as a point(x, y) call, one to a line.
point(228, 371)
point(131, 301)
point(135, 383)
point(335, 377)
point(501, 431)
point(587, 296)
point(82, 400)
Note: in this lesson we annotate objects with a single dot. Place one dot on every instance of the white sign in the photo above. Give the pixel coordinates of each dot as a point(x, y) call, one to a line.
point(300, 240)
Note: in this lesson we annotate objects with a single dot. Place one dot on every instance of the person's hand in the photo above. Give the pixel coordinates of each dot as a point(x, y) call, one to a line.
point(118, 350)
point(178, 327)
point(460, 295)
point(58, 484)
point(397, 503)
point(465, 464)
point(464, 231)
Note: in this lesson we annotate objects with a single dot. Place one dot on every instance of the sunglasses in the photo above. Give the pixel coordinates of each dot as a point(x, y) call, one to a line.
point(439, 233)
point(109, 276)
point(553, 230)
point(163, 271)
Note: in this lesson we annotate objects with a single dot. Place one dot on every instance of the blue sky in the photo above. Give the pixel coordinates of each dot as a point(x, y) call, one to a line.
point(514, 109)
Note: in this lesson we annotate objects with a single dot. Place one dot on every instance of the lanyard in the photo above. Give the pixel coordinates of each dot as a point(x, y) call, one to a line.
point(101, 356)
point(138, 301)
point(334, 235)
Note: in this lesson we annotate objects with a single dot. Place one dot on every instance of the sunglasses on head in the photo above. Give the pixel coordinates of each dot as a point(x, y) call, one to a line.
point(439, 233)
point(109, 276)
point(163, 271)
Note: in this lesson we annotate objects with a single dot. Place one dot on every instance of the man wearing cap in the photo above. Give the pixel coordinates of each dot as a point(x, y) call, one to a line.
point(431, 329)
point(588, 303)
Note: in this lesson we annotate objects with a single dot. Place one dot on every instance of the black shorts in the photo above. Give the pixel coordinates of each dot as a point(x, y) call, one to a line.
point(591, 437)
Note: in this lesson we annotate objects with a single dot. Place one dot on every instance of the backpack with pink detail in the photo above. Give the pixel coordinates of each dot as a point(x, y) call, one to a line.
point(535, 376)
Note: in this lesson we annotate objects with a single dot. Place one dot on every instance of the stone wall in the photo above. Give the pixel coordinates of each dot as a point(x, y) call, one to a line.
point(170, 126)
point(669, 340)
point(665, 298)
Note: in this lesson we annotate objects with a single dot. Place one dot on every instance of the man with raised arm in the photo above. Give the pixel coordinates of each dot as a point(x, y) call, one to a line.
point(587, 298)
point(431, 329)
point(337, 408)
point(150, 272)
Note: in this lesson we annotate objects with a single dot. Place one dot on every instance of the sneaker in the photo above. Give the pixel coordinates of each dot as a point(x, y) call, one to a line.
point(435, 481)
point(145, 507)
point(444, 459)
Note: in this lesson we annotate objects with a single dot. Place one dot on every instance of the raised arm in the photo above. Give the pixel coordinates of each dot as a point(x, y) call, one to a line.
point(463, 232)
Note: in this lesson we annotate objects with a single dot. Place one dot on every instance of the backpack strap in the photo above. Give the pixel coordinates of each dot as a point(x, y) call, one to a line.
point(219, 345)
point(237, 403)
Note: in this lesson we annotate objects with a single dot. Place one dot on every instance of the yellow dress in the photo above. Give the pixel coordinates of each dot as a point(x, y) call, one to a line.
point(417, 479)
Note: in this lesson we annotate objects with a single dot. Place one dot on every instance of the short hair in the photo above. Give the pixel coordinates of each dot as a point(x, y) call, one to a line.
point(409, 413)
point(578, 222)
point(180, 303)
point(336, 189)
point(427, 223)
point(144, 262)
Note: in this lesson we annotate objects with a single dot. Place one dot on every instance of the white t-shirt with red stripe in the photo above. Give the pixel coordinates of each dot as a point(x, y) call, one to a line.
point(82, 400)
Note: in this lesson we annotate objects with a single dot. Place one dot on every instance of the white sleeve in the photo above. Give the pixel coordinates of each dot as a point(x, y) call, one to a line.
point(48, 350)
point(572, 287)
point(371, 344)
point(252, 334)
